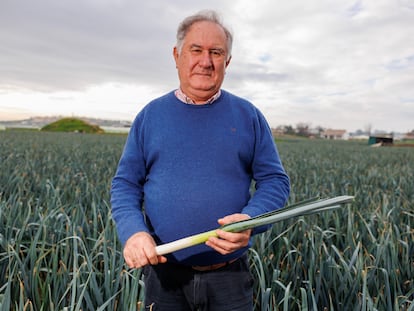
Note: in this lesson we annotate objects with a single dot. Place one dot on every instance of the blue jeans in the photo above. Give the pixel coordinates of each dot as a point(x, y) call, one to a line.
point(172, 287)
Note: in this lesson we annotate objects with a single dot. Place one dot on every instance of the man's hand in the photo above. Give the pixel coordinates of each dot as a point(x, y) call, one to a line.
point(139, 251)
point(228, 242)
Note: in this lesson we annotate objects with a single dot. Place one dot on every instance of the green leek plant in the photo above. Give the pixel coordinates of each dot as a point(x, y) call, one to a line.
point(299, 209)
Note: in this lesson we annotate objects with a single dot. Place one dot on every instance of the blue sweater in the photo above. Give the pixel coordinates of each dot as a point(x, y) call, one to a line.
point(187, 166)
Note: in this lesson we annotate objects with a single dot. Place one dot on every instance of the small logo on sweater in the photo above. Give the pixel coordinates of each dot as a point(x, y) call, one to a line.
point(233, 129)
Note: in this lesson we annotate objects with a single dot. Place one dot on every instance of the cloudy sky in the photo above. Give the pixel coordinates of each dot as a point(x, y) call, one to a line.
point(336, 64)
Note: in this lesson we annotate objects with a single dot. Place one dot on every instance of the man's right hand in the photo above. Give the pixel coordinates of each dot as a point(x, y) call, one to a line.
point(139, 251)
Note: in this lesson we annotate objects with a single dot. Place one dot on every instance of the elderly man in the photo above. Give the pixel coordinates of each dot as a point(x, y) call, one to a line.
point(187, 167)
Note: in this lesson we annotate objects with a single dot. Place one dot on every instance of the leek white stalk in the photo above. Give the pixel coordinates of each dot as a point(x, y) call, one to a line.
point(300, 209)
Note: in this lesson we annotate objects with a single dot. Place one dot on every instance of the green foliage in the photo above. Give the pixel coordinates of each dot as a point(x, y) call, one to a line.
point(358, 258)
point(72, 125)
point(59, 249)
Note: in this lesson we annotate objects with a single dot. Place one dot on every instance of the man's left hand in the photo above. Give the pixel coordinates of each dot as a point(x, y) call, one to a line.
point(228, 242)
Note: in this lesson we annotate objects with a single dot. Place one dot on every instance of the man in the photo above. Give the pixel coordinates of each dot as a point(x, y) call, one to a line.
point(187, 167)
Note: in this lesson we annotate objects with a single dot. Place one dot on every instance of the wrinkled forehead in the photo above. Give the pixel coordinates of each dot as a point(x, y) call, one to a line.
point(206, 34)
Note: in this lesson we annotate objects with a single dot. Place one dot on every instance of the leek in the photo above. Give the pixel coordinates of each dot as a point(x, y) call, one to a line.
point(300, 209)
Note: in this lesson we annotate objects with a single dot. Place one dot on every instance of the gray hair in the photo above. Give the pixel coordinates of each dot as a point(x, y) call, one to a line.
point(206, 15)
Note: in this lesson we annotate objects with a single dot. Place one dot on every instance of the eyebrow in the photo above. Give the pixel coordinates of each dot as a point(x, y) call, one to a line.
point(221, 50)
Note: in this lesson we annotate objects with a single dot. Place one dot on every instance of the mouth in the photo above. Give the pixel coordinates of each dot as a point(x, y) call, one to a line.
point(208, 75)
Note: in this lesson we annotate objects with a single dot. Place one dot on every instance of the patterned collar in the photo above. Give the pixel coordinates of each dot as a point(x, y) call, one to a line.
point(187, 100)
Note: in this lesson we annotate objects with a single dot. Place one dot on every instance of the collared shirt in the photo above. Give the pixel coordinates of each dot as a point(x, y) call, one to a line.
point(185, 99)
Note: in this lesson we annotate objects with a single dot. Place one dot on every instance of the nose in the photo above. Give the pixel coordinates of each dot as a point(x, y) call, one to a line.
point(205, 59)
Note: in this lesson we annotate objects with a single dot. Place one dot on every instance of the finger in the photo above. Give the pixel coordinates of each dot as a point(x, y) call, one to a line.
point(240, 238)
point(134, 262)
point(228, 242)
point(151, 255)
point(222, 246)
point(135, 257)
point(129, 262)
point(139, 250)
point(232, 218)
point(226, 220)
point(129, 258)
point(142, 258)
point(217, 248)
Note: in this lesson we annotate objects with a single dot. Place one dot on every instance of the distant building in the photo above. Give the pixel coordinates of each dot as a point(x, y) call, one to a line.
point(334, 134)
point(381, 140)
point(409, 136)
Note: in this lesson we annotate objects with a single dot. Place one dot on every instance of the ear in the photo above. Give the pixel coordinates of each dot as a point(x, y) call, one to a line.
point(175, 54)
point(228, 61)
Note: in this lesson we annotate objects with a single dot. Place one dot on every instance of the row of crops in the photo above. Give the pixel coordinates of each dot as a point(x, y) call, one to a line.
point(59, 249)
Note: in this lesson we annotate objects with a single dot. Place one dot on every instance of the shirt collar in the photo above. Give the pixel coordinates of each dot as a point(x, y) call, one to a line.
point(187, 100)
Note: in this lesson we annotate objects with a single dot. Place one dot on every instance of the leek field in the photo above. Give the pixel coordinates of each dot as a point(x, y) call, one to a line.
point(59, 248)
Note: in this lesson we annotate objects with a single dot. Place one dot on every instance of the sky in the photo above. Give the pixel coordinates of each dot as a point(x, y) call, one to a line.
point(329, 63)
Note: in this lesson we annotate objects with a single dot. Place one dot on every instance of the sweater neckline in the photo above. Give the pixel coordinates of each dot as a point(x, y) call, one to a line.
point(199, 106)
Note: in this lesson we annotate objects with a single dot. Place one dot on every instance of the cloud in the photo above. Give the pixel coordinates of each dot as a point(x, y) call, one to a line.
point(69, 45)
point(327, 63)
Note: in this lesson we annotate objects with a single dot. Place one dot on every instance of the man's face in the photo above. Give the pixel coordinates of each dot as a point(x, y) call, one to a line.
point(202, 62)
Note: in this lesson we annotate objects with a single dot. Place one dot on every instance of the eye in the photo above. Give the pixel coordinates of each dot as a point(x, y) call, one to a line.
point(196, 50)
point(217, 52)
